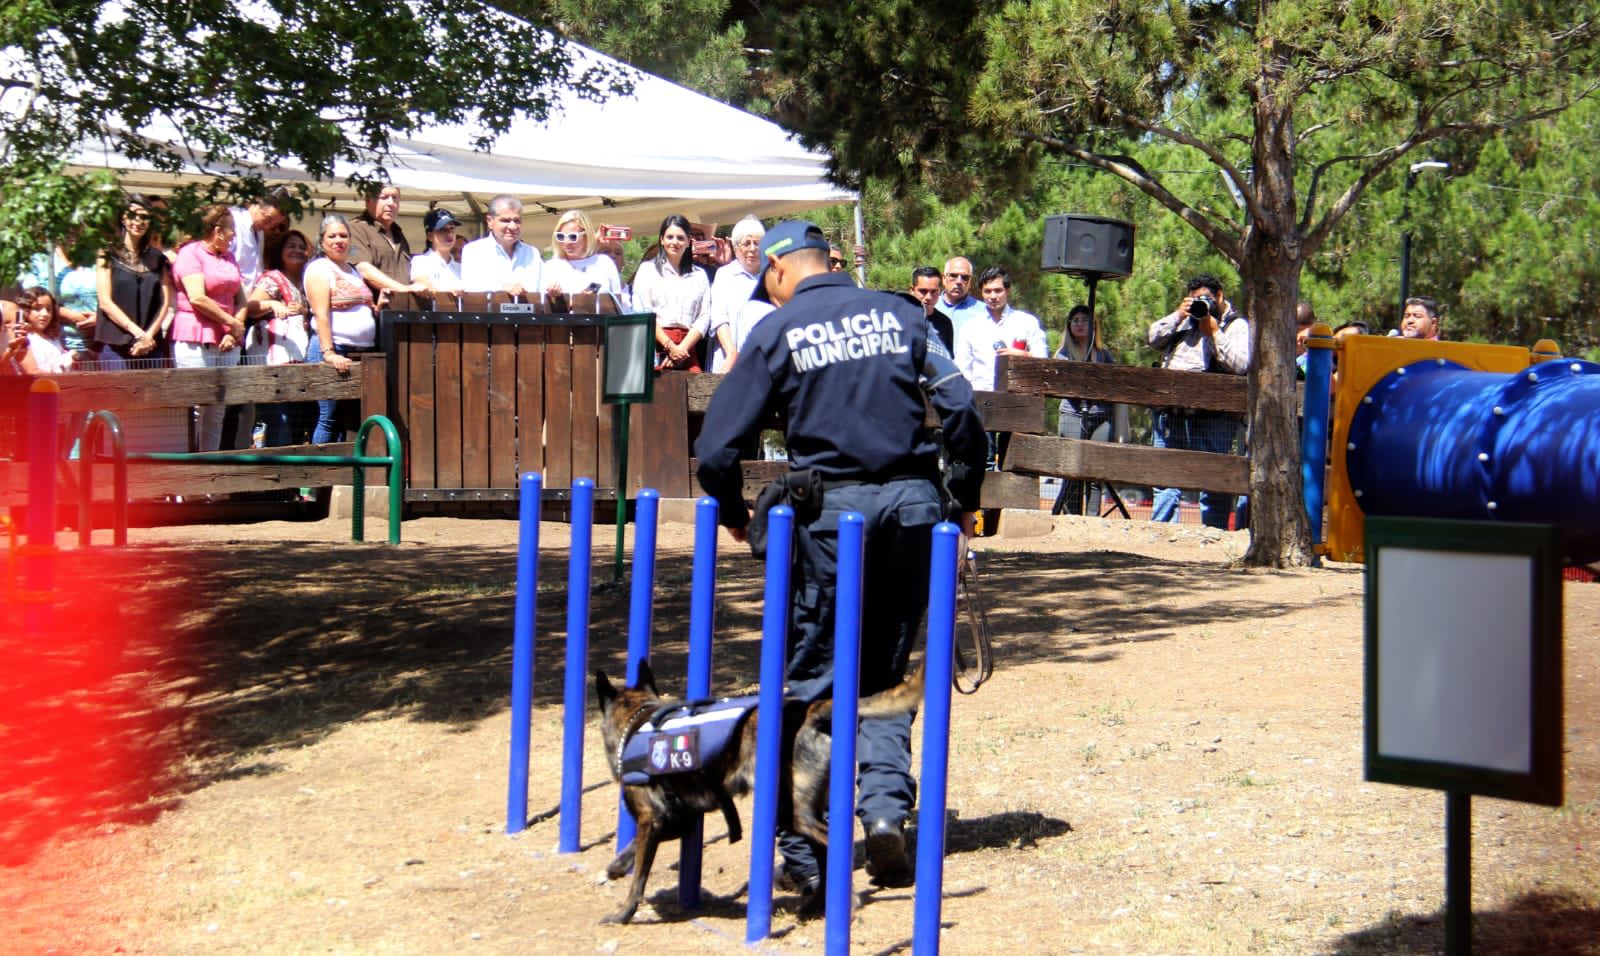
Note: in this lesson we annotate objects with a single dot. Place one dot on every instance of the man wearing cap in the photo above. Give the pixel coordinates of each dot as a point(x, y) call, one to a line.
point(501, 261)
point(439, 268)
point(378, 247)
point(847, 372)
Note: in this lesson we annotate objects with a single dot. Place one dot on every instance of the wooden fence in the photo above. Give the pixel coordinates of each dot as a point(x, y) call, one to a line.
point(1020, 409)
point(122, 391)
point(1032, 453)
point(481, 397)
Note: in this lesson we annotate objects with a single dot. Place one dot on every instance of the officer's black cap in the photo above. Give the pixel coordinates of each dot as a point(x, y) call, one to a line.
point(782, 239)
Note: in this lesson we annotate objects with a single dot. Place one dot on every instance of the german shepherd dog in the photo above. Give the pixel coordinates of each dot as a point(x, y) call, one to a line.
point(668, 802)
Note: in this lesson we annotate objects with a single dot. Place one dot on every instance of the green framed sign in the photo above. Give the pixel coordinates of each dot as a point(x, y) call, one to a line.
point(1463, 657)
point(628, 374)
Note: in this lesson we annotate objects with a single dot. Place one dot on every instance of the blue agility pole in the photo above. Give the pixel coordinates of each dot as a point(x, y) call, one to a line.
point(1314, 430)
point(641, 617)
point(578, 562)
point(769, 732)
point(846, 691)
point(531, 491)
point(936, 738)
point(702, 622)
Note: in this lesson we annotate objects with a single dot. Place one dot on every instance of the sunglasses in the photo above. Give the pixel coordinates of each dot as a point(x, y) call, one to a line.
point(138, 216)
point(837, 263)
point(569, 236)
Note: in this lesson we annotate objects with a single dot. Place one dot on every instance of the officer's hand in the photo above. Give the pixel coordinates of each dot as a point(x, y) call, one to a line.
point(739, 534)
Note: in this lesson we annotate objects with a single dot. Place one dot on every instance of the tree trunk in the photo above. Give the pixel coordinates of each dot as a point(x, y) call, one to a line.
point(1270, 271)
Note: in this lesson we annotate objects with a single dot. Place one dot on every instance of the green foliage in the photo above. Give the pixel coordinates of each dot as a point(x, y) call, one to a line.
point(1299, 106)
point(82, 206)
point(309, 82)
point(691, 42)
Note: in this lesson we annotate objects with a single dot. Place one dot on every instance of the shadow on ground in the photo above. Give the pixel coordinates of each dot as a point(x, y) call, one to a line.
point(177, 666)
point(1534, 924)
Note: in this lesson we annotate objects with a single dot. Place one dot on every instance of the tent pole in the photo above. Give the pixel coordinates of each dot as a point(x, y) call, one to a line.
point(861, 268)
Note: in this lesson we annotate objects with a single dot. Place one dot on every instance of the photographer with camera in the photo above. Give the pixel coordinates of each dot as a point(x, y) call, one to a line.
point(1204, 334)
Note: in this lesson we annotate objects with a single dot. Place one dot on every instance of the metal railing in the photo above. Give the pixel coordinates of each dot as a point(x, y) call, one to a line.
point(392, 459)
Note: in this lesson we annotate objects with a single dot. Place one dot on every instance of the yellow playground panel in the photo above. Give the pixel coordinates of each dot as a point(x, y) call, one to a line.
point(1364, 361)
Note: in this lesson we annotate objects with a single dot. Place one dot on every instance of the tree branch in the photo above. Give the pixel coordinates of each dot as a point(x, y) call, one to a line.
point(1252, 206)
point(1226, 241)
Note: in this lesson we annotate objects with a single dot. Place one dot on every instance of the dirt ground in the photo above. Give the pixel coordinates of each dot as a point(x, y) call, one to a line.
point(267, 739)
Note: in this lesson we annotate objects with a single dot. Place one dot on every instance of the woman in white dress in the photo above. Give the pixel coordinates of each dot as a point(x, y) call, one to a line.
point(679, 293)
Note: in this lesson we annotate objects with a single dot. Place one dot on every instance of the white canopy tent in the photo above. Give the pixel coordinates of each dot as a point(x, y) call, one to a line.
point(630, 160)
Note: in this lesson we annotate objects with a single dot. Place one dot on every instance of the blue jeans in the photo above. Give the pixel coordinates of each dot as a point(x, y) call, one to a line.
point(1198, 431)
point(900, 516)
point(335, 417)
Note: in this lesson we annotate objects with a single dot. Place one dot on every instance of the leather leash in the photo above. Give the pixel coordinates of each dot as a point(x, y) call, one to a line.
point(977, 628)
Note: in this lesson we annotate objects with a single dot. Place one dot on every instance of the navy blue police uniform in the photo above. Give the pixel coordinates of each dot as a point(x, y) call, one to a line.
point(845, 371)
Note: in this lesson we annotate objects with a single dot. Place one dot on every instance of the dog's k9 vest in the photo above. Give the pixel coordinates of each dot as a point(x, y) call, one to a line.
point(681, 737)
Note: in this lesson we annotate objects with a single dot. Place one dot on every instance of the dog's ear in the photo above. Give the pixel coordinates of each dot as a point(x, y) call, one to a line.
point(603, 691)
point(647, 677)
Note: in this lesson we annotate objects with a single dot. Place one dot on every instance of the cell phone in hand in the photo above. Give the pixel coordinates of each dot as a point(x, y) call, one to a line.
point(619, 233)
point(705, 247)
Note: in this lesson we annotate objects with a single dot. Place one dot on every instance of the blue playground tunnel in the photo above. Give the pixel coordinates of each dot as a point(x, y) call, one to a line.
point(1437, 439)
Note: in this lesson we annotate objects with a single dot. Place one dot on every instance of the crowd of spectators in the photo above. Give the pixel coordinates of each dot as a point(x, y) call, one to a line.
point(245, 287)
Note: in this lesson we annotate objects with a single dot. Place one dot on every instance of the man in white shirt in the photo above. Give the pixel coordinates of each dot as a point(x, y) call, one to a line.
point(501, 261)
point(252, 227)
point(1003, 331)
point(731, 289)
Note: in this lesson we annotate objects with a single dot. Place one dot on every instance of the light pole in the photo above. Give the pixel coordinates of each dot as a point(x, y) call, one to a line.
point(1405, 214)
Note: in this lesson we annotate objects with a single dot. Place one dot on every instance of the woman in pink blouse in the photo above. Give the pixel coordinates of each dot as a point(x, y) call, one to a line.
point(209, 327)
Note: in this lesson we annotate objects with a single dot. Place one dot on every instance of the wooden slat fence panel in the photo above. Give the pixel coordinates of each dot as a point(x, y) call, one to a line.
point(586, 405)
point(476, 449)
point(502, 407)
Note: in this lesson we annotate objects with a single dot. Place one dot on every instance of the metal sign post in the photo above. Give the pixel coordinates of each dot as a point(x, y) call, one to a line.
point(628, 376)
point(1463, 673)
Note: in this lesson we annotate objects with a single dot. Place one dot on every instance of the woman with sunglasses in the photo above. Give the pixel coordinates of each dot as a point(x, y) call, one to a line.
point(576, 263)
point(135, 287)
point(678, 292)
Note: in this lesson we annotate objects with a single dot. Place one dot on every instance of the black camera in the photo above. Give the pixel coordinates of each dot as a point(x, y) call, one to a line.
point(1203, 305)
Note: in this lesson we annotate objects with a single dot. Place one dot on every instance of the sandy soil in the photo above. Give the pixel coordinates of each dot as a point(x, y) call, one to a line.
point(266, 739)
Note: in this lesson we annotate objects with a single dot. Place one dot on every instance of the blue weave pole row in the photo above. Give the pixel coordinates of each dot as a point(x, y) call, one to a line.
point(941, 622)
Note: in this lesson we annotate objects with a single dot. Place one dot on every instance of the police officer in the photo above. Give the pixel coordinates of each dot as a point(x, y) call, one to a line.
point(846, 371)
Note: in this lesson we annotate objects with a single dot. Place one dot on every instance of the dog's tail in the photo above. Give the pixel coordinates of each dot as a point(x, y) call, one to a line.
point(902, 698)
